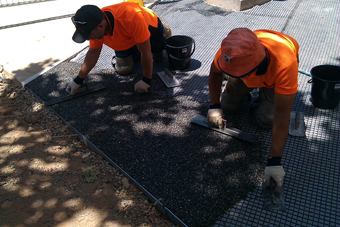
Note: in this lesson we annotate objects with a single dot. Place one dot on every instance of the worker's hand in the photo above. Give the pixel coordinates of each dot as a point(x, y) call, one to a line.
point(274, 170)
point(74, 85)
point(215, 115)
point(141, 87)
point(72, 88)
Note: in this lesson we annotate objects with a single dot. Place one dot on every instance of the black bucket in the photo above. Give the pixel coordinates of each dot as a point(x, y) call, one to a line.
point(179, 49)
point(325, 86)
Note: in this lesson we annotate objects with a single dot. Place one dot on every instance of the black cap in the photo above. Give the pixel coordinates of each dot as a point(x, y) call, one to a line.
point(86, 19)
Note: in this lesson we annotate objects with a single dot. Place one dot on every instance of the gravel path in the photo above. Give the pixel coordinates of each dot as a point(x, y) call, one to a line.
point(43, 169)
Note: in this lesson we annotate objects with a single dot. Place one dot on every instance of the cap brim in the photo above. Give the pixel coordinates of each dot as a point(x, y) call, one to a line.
point(239, 73)
point(240, 70)
point(79, 38)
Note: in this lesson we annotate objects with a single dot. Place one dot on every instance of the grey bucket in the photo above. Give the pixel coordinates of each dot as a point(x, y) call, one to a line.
point(325, 86)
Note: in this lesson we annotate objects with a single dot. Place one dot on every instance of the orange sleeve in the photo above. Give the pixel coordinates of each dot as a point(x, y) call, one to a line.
point(290, 40)
point(287, 81)
point(95, 44)
point(295, 45)
point(218, 54)
point(140, 30)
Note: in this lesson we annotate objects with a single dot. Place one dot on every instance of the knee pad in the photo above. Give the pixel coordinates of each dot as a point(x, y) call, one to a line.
point(231, 103)
point(124, 65)
point(265, 114)
point(167, 30)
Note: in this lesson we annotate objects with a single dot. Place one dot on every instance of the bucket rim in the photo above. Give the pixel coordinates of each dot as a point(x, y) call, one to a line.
point(333, 66)
point(193, 41)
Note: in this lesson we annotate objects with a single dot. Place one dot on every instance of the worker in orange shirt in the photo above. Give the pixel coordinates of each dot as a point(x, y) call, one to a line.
point(262, 59)
point(128, 29)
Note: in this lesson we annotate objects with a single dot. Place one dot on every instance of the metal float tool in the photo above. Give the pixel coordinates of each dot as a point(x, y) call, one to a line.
point(168, 78)
point(201, 120)
point(273, 200)
point(83, 90)
point(297, 125)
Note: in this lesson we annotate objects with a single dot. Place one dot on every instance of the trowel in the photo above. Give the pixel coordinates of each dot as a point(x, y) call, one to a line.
point(233, 132)
point(84, 89)
point(297, 125)
point(273, 200)
point(168, 78)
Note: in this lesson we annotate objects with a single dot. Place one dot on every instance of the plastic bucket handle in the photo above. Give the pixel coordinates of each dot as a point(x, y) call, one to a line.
point(192, 52)
point(327, 81)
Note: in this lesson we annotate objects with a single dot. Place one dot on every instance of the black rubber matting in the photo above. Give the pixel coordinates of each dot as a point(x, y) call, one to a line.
point(204, 177)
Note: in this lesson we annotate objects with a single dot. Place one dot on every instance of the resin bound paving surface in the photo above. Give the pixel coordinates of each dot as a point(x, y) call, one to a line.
point(206, 178)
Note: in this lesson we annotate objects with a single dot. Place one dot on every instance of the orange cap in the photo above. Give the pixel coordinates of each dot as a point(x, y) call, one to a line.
point(241, 53)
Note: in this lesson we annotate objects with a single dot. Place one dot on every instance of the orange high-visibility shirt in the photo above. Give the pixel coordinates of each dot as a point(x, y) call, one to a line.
point(131, 26)
point(283, 69)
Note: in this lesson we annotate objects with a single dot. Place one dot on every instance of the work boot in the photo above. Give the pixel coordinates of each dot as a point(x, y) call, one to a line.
point(166, 28)
point(265, 114)
point(158, 57)
point(231, 103)
point(124, 65)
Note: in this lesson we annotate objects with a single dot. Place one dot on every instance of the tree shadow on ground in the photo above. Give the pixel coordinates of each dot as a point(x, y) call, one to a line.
point(150, 137)
point(41, 177)
point(33, 68)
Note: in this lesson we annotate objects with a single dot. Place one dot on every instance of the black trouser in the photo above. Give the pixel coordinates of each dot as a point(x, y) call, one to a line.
point(157, 41)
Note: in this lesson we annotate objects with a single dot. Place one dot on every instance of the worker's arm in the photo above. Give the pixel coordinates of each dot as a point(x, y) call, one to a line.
point(89, 62)
point(215, 113)
point(143, 85)
point(146, 58)
point(283, 107)
point(215, 83)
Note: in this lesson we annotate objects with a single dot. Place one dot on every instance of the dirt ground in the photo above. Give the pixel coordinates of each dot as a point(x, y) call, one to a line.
point(48, 177)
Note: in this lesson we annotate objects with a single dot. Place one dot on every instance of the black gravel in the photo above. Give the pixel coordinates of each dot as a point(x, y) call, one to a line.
point(198, 173)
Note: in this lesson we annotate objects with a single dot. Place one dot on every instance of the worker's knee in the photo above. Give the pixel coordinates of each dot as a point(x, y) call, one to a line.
point(231, 103)
point(265, 114)
point(158, 57)
point(124, 65)
point(166, 28)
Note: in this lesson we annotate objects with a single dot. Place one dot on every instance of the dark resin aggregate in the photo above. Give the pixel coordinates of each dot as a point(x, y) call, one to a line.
point(197, 172)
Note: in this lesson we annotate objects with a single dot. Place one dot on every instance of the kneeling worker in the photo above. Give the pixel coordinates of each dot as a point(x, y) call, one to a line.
point(128, 29)
point(262, 59)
